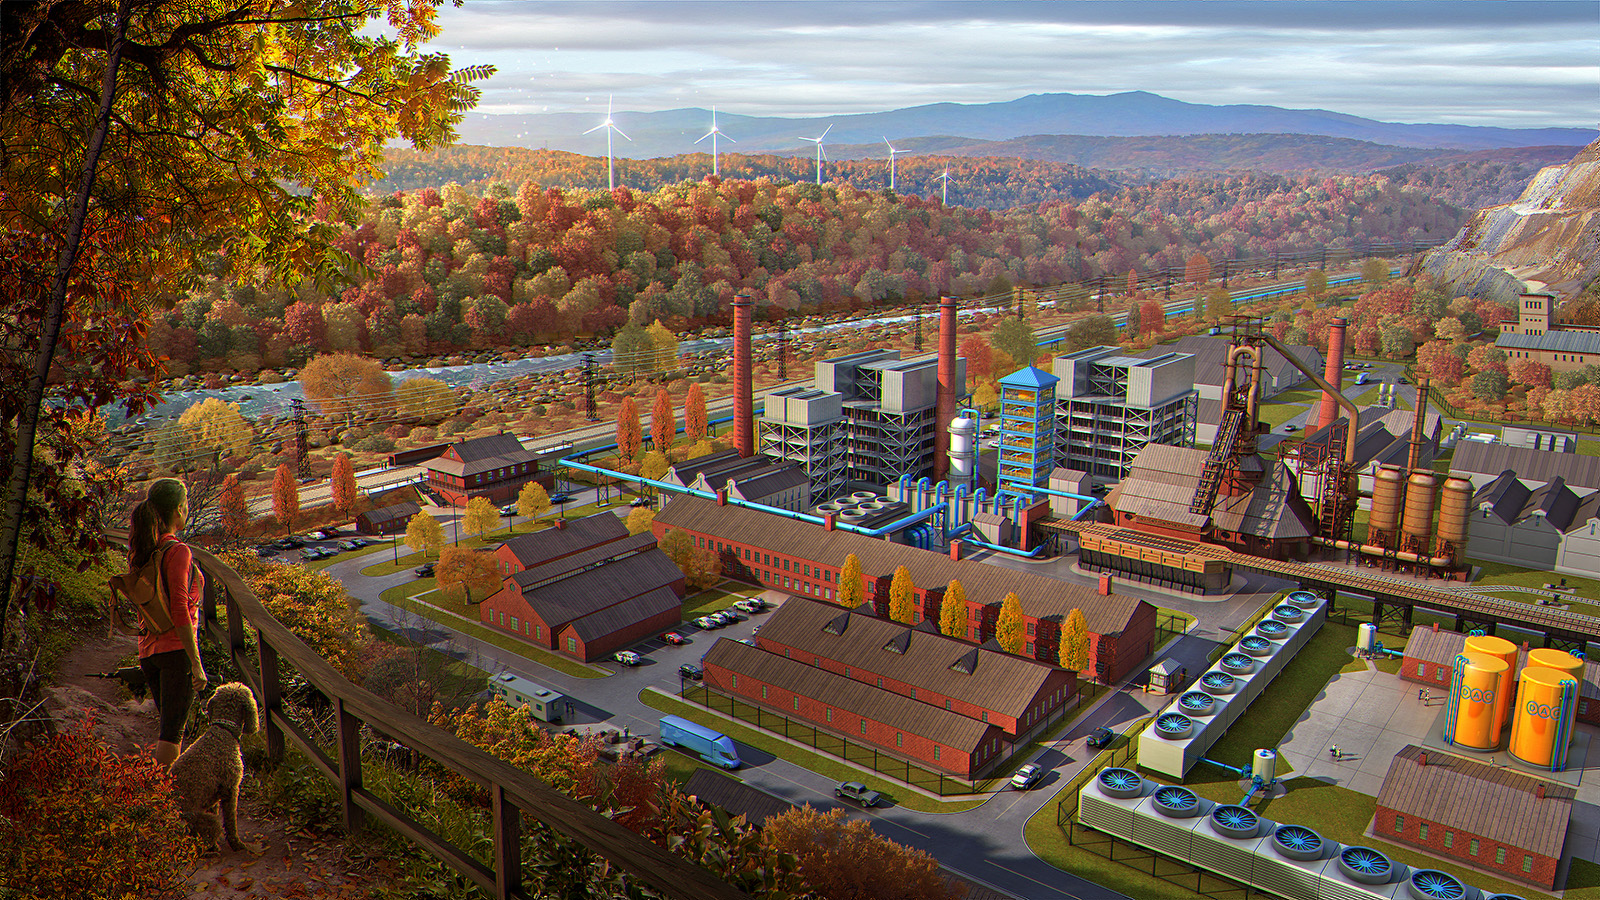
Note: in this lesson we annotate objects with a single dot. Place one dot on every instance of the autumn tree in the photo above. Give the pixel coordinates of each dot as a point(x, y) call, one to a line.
point(1529, 372)
point(480, 516)
point(902, 596)
point(533, 500)
point(663, 427)
point(1375, 270)
point(1316, 283)
point(424, 400)
point(424, 533)
point(663, 348)
point(640, 519)
point(1092, 331)
point(343, 384)
point(1219, 303)
point(235, 515)
point(214, 427)
point(285, 497)
point(473, 572)
point(1197, 269)
point(263, 118)
point(1016, 339)
point(343, 485)
point(1009, 630)
point(843, 858)
point(1490, 386)
point(1487, 357)
point(851, 591)
point(700, 566)
point(1075, 642)
point(953, 610)
point(1437, 360)
point(629, 434)
point(655, 465)
point(632, 350)
point(694, 414)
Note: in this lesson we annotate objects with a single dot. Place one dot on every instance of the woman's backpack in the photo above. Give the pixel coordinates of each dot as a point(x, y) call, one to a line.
point(145, 588)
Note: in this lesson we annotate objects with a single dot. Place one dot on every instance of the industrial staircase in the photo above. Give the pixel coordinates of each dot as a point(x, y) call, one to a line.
point(1222, 451)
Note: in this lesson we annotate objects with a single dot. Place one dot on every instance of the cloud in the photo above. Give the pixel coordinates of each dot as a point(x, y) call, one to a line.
point(1514, 64)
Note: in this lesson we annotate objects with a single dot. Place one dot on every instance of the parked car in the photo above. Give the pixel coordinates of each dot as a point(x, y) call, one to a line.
point(1401, 380)
point(1291, 427)
point(425, 570)
point(728, 616)
point(855, 790)
point(626, 657)
point(753, 605)
point(288, 543)
point(708, 623)
point(674, 638)
point(349, 545)
point(1100, 737)
point(510, 509)
point(642, 501)
point(265, 552)
point(691, 672)
point(326, 533)
point(560, 497)
point(1027, 776)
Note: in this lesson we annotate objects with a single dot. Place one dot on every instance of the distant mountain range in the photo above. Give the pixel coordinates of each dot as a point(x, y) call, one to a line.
point(951, 128)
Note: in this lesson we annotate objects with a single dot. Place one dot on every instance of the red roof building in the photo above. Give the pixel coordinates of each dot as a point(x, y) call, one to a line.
point(494, 467)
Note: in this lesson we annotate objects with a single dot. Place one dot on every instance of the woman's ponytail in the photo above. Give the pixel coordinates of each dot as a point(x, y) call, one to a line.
point(144, 530)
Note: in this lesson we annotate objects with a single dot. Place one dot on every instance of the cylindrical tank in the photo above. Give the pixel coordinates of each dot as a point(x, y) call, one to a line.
point(1419, 504)
point(1387, 489)
point(1547, 702)
point(1560, 660)
point(1366, 637)
point(1264, 765)
point(1455, 508)
point(1469, 716)
point(963, 440)
point(1506, 652)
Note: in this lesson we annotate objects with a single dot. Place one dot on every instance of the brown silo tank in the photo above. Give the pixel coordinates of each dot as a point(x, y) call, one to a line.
point(1455, 508)
point(1387, 489)
point(1419, 504)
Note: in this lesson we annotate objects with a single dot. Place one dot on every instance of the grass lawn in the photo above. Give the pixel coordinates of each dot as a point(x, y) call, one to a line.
point(1588, 447)
point(409, 559)
point(716, 599)
point(821, 763)
point(1276, 414)
point(400, 595)
point(1587, 600)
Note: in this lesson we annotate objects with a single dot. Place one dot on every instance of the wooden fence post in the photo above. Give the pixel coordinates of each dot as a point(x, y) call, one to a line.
point(507, 845)
point(349, 764)
point(271, 696)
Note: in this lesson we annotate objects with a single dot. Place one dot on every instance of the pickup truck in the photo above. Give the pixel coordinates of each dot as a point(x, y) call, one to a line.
point(855, 790)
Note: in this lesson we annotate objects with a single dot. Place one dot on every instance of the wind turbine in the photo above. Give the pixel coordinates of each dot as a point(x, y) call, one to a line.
point(609, 126)
point(944, 190)
point(892, 152)
point(714, 133)
point(821, 155)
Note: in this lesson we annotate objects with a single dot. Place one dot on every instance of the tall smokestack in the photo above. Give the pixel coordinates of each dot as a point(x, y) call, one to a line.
point(1334, 373)
point(744, 427)
point(1414, 458)
point(946, 409)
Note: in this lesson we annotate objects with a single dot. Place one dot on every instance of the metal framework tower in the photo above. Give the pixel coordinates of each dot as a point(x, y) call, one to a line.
point(1027, 431)
point(302, 439)
point(590, 411)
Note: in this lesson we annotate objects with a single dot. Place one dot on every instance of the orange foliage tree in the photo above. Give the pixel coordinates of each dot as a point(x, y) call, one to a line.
point(629, 433)
point(343, 383)
point(663, 427)
point(285, 497)
point(474, 572)
point(235, 515)
point(694, 414)
point(343, 484)
point(844, 859)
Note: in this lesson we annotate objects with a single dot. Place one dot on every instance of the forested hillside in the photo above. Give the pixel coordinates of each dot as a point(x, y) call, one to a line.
point(454, 268)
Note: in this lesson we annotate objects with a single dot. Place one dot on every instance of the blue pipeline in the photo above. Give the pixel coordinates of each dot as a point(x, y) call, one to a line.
point(1086, 510)
point(1033, 554)
point(1455, 694)
point(1234, 769)
point(1256, 784)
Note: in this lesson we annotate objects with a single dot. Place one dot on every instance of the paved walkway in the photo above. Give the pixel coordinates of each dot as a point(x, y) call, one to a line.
point(1371, 716)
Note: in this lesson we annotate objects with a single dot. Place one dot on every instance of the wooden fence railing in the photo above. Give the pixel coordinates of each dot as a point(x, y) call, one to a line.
point(513, 792)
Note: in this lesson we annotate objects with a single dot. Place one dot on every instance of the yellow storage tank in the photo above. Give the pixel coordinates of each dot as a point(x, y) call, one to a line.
point(1388, 492)
point(1560, 660)
point(1505, 691)
point(1547, 702)
point(1469, 717)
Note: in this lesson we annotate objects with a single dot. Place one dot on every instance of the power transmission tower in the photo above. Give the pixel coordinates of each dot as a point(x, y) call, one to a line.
point(302, 439)
point(590, 411)
point(783, 351)
point(916, 318)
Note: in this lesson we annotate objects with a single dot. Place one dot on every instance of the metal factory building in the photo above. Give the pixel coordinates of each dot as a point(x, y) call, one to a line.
point(1210, 364)
point(1111, 405)
point(783, 554)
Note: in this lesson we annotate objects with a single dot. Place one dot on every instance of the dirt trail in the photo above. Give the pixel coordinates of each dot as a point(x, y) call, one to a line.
point(292, 862)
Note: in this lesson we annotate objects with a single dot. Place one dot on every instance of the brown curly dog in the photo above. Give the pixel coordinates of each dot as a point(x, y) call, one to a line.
point(209, 771)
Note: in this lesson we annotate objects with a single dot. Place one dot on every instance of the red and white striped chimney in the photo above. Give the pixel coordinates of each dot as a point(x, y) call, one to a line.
point(744, 426)
point(1334, 373)
point(946, 408)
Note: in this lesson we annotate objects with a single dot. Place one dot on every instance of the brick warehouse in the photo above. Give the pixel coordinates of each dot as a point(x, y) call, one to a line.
point(992, 686)
point(906, 728)
point(1430, 657)
point(804, 559)
point(1493, 818)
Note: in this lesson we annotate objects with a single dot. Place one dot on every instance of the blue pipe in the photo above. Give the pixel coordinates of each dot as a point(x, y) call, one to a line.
point(1221, 765)
point(1086, 510)
point(924, 487)
point(1033, 554)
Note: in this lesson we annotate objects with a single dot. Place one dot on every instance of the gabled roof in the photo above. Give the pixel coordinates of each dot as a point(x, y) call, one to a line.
point(1505, 496)
point(736, 797)
point(1030, 377)
point(590, 591)
point(495, 451)
point(1512, 502)
point(985, 584)
point(389, 513)
point(1492, 801)
point(1576, 469)
point(986, 677)
point(540, 547)
point(935, 723)
point(1161, 483)
point(629, 612)
point(591, 558)
point(1555, 501)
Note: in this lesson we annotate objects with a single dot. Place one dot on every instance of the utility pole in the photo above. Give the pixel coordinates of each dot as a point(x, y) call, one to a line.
point(916, 318)
point(589, 410)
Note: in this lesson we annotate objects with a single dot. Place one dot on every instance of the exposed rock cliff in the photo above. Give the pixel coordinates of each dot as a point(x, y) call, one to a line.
point(1549, 239)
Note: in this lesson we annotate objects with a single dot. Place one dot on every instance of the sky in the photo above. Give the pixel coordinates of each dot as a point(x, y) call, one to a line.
point(1513, 63)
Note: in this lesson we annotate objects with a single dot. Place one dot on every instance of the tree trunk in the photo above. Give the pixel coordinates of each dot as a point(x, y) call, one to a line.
point(28, 422)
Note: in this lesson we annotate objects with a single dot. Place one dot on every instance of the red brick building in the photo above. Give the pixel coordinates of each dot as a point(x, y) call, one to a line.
point(391, 519)
point(1507, 823)
point(1430, 658)
point(494, 467)
point(989, 685)
point(805, 559)
point(593, 601)
point(564, 538)
point(928, 735)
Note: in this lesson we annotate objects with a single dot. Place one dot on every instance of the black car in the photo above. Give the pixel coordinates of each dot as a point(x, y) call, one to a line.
point(1100, 737)
point(425, 570)
point(560, 497)
point(691, 672)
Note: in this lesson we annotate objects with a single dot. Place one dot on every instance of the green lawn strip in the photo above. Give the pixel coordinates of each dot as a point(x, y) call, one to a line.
point(822, 764)
point(1276, 414)
point(716, 599)
point(400, 595)
point(1588, 447)
point(409, 559)
point(1586, 600)
point(1049, 842)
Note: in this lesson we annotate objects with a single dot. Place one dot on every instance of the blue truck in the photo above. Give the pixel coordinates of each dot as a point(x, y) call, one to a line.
point(713, 747)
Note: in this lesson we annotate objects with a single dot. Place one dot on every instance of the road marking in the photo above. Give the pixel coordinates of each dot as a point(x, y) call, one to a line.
point(1029, 877)
point(1021, 796)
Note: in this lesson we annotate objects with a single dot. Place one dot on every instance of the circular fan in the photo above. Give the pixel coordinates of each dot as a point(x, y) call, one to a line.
point(1501, 897)
point(1177, 802)
point(1234, 822)
point(1197, 703)
point(1304, 598)
point(1173, 726)
point(1297, 842)
point(1432, 884)
point(1365, 865)
point(1238, 662)
point(1218, 682)
point(1287, 613)
point(1121, 783)
point(1271, 628)
point(1256, 645)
